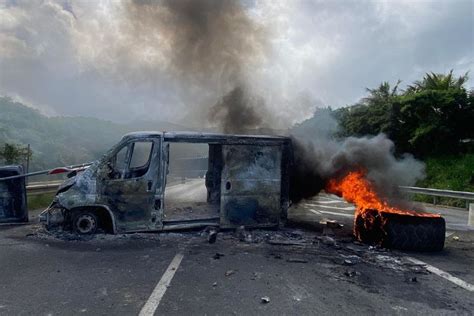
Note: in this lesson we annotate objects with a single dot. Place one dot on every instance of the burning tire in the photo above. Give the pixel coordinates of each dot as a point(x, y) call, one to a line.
point(399, 231)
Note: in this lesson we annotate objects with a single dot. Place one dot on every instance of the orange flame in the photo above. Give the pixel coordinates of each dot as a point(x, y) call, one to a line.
point(355, 188)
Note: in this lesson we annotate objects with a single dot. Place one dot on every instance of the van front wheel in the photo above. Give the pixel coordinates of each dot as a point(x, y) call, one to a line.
point(85, 223)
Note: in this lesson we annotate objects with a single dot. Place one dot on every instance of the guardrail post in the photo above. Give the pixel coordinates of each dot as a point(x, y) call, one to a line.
point(470, 219)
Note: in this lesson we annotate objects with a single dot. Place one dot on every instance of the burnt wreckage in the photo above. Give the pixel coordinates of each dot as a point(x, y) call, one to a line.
point(246, 183)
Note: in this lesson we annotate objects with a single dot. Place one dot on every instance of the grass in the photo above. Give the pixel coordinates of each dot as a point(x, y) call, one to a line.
point(448, 173)
point(39, 201)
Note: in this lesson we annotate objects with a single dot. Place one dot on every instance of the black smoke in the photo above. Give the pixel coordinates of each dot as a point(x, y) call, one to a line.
point(315, 163)
point(218, 40)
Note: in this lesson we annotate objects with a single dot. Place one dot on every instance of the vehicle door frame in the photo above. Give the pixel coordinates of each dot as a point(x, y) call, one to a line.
point(123, 199)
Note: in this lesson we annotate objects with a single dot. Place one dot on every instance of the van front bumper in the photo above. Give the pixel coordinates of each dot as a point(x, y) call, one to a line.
point(52, 216)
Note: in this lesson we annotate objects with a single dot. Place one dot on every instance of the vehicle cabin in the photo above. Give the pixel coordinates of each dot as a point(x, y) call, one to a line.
point(131, 188)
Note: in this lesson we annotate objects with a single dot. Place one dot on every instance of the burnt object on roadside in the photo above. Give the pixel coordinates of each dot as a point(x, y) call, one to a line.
point(12, 196)
point(217, 256)
point(400, 231)
point(265, 300)
point(212, 236)
point(246, 183)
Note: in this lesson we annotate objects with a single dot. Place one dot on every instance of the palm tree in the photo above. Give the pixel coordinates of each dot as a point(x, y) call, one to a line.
point(382, 93)
point(432, 81)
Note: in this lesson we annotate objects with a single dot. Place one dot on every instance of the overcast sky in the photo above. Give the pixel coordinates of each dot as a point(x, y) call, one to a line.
point(73, 57)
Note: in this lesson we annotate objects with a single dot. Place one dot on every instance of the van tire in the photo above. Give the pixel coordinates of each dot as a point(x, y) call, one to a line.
point(85, 223)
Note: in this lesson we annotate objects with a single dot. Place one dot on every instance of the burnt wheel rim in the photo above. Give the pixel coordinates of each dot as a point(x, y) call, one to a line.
point(86, 224)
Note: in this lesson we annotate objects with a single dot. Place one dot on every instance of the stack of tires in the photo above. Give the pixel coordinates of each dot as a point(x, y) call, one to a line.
point(399, 231)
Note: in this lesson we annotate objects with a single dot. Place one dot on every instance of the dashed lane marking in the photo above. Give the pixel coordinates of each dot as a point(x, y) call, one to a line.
point(154, 300)
point(444, 275)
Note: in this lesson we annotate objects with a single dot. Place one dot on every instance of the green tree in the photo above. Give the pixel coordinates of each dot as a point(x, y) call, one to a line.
point(435, 120)
point(14, 154)
point(432, 81)
point(373, 115)
point(432, 116)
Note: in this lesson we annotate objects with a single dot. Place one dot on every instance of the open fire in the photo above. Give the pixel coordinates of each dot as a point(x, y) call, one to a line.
point(377, 222)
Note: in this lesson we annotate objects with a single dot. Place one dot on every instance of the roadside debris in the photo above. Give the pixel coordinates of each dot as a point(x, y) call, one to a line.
point(217, 256)
point(276, 255)
point(212, 235)
point(413, 280)
point(243, 235)
point(265, 300)
point(351, 273)
point(351, 260)
point(229, 272)
point(327, 240)
point(331, 223)
point(456, 238)
point(256, 276)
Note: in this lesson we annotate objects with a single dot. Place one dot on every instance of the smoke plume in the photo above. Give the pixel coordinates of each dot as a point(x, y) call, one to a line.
point(210, 42)
point(375, 155)
point(238, 112)
point(209, 45)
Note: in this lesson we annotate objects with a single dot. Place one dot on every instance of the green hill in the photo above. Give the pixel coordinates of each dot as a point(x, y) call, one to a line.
point(58, 141)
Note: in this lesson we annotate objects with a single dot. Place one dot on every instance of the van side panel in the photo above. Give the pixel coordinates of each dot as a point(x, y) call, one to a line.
point(251, 185)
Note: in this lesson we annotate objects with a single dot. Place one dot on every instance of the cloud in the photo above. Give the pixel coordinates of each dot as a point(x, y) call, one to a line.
point(80, 58)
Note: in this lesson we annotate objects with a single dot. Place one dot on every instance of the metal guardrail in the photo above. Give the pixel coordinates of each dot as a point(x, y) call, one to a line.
point(35, 188)
point(462, 195)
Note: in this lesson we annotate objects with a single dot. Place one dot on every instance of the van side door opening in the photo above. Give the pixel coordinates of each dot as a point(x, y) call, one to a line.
point(193, 183)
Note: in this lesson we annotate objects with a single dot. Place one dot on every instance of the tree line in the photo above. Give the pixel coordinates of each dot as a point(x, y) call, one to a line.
point(432, 116)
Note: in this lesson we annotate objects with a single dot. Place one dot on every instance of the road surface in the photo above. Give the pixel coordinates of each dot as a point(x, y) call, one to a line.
point(298, 270)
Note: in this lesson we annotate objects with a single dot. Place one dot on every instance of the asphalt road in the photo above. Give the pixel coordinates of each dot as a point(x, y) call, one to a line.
point(298, 269)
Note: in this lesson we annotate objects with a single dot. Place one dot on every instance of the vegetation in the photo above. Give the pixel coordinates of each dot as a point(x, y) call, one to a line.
point(432, 119)
point(450, 172)
point(39, 201)
point(14, 154)
point(60, 141)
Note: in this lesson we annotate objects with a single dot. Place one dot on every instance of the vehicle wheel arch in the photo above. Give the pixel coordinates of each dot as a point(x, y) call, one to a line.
point(104, 214)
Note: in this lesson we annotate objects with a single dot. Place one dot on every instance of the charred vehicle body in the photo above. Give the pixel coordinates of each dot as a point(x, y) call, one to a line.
point(246, 183)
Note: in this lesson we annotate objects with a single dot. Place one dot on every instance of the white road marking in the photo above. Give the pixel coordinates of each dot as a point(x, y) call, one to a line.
point(330, 213)
point(326, 202)
point(314, 211)
point(337, 214)
point(444, 275)
point(345, 208)
point(154, 300)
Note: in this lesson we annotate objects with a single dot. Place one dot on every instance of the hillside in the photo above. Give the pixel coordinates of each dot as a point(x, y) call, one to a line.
point(58, 141)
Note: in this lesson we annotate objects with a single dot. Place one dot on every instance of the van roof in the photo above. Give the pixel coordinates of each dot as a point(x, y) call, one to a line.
point(198, 137)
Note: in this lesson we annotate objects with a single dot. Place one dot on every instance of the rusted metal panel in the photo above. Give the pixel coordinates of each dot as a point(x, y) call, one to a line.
point(251, 185)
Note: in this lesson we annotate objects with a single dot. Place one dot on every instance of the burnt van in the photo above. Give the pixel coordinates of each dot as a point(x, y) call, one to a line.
point(240, 180)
